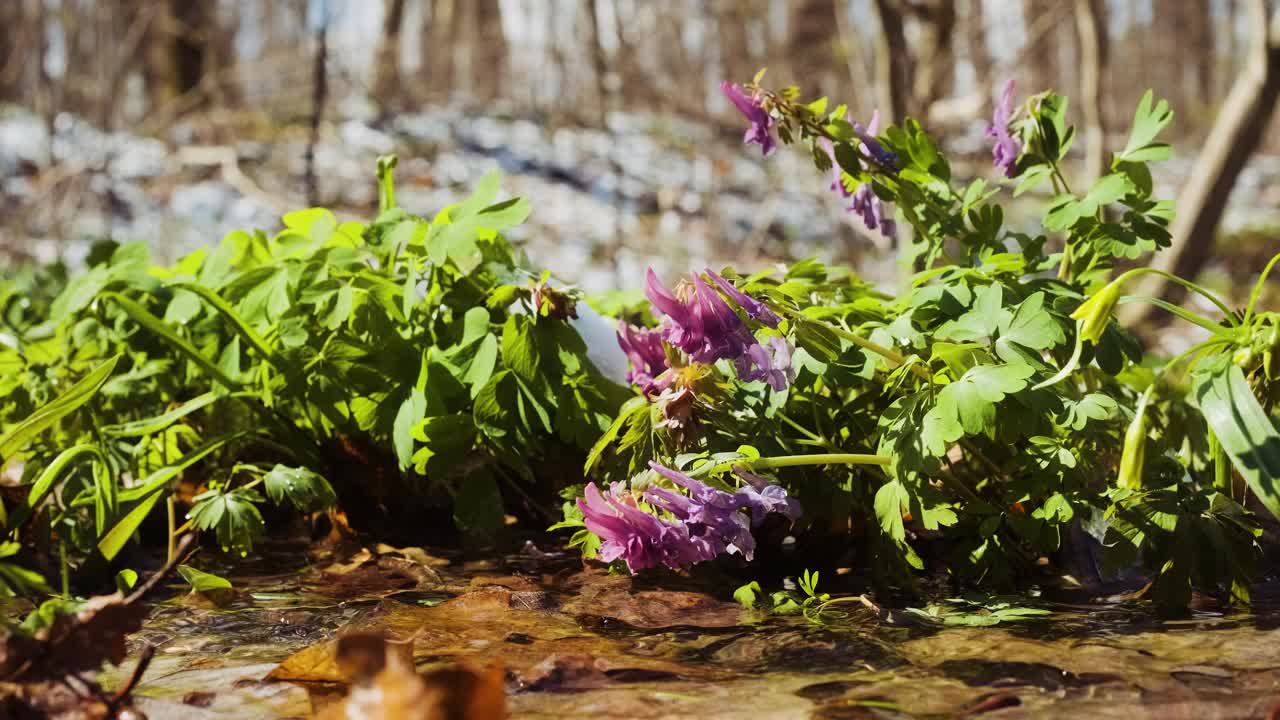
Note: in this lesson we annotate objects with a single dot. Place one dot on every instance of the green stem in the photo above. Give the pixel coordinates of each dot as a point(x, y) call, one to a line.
point(66, 569)
point(1257, 289)
point(1226, 311)
point(803, 430)
point(889, 354)
point(173, 523)
point(1181, 312)
point(781, 461)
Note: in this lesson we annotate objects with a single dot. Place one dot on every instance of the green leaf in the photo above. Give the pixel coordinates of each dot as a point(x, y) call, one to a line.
point(967, 406)
point(1094, 406)
point(891, 499)
point(125, 580)
point(18, 437)
point(747, 594)
point(411, 412)
point(1150, 118)
point(306, 490)
point(232, 515)
point(482, 365)
point(1030, 326)
point(343, 301)
point(152, 425)
point(1245, 430)
point(16, 580)
point(519, 348)
point(217, 589)
point(982, 320)
point(144, 318)
point(445, 439)
point(117, 537)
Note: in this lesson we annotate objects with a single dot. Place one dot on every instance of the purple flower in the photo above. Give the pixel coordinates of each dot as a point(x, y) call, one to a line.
point(701, 323)
point(634, 536)
point(709, 514)
point(643, 347)
point(756, 310)
point(704, 326)
point(1004, 154)
point(703, 524)
point(763, 498)
point(866, 204)
point(760, 132)
point(772, 365)
point(837, 172)
point(781, 373)
point(872, 147)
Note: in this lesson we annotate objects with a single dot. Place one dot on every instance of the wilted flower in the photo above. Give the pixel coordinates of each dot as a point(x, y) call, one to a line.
point(550, 302)
point(676, 406)
point(756, 310)
point(1004, 154)
point(643, 347)
point(761, 130)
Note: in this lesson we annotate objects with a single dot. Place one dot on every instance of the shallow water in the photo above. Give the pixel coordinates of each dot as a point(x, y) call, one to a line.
point(578, 642)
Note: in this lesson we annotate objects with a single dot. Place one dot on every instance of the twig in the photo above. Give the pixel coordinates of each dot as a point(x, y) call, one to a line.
point(180, 555)
point(135, 677)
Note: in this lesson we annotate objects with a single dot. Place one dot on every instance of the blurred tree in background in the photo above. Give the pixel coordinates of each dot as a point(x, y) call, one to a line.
point(143, 64)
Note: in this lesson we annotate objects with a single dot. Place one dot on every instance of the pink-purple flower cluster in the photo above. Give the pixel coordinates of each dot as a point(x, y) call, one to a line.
point(699, 322)
point(701, 525)
point(760, 130)
point(866, 204)
point(1004, 154)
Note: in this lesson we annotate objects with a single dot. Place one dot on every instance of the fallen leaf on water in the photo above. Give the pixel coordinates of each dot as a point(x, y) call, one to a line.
point(385, 685)
point(49, 673)
point(518, 629)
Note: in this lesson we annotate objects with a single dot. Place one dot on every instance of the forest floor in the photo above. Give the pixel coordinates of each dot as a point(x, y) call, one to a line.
point(574, 641)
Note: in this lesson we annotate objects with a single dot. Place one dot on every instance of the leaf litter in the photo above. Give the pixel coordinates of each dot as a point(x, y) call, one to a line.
point(550, 637)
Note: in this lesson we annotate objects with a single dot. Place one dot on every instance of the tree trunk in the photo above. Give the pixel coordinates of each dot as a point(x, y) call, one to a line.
point(737, 60)
point(175, 54)
point(893, 65)
point(973, 22)
point(1092, 31)
point(386, 67)
point(319, 96)
point(15, 48)
point(1043, 48)
point(1234, 138)
point(489, 58)
point(438, 63)
point(1199, 71)
point(811, 50)
point(599, 61)
point(934, 59)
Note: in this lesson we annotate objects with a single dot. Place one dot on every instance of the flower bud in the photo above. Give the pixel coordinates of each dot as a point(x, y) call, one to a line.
point(1134, 456)
point(1094, 314)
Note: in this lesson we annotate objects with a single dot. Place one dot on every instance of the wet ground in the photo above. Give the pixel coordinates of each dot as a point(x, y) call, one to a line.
point(578, 642)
